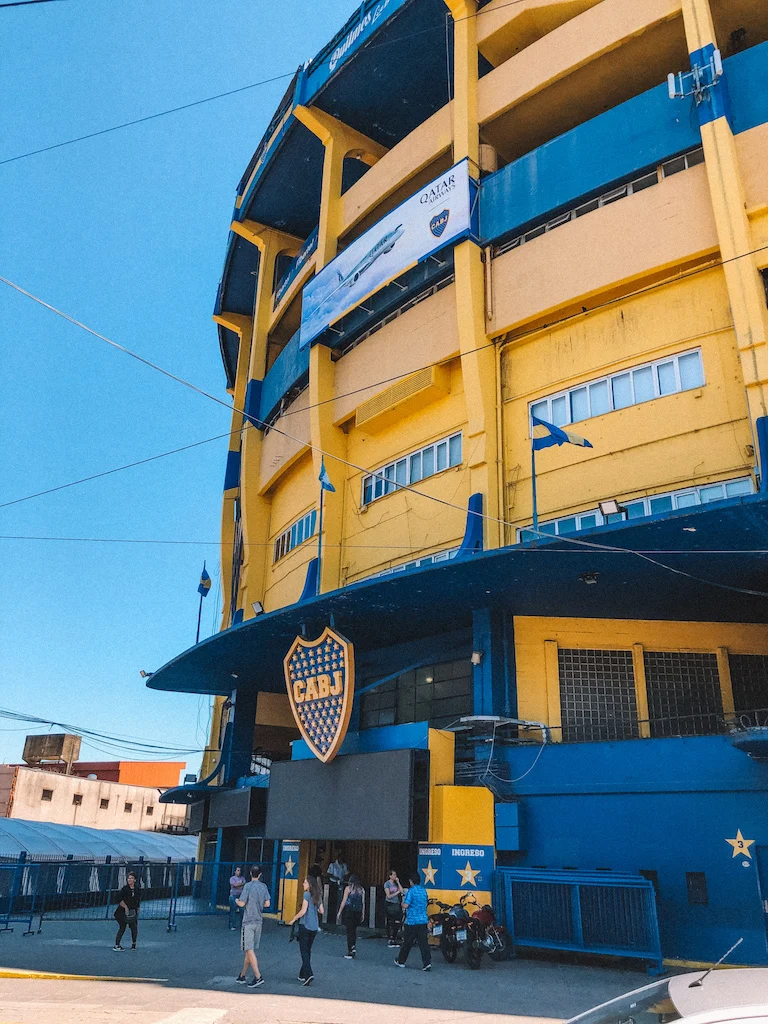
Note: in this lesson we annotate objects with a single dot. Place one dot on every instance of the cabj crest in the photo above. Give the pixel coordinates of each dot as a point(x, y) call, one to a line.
point(320, 678)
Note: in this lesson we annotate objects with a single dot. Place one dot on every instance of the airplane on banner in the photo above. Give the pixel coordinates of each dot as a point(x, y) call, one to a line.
point(384, 245)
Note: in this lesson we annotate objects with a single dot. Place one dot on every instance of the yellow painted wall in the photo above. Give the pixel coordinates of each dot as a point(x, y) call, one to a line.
point(402, 525)
point(296, 495)
point(461, 814)
point(537, 639)
point(670, 224)
point(669, 442)
point(279, 452)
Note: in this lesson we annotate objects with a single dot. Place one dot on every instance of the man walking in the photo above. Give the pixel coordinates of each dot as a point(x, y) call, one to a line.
point(415, 928)
point(253, 899)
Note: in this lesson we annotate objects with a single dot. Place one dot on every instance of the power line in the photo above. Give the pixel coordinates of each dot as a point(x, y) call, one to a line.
point(117, 469)
point(216, 96)
point(26, 3)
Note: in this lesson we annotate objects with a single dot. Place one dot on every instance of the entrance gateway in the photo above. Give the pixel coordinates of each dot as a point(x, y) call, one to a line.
point(382, 799)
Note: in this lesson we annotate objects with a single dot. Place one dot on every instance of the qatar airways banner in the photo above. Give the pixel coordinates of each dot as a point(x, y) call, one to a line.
point(437, 214)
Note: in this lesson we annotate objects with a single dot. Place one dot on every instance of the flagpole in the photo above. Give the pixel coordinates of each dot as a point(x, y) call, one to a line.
point(533, 492)
point(320, 541)
point(199, 612)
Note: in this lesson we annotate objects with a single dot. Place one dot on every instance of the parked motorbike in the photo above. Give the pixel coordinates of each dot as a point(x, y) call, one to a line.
point(455, 928)
point(495, 934)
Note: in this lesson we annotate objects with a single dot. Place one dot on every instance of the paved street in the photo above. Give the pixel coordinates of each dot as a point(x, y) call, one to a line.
point(194, 970)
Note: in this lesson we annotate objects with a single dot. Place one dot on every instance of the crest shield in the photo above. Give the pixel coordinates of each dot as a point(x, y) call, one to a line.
point(320, 679)
point(439, 222)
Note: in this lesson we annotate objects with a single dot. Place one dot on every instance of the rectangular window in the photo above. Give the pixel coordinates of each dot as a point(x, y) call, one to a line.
point(696, 883)
point(597, 695)
point(749, 678)
point(47, 795)
point(651, 506)
point(77, 799)
point(127, 808)
point(420, 465)
point(684, 696)
point(149, 810)
point(295, 535)
point(437, 694)
point(103, 803)
point(620, 390)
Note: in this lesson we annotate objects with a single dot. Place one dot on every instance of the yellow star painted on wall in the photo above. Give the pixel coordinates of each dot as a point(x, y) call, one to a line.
point(429, 874)
point(741, 845)
point(290, 864)
point(468, 875)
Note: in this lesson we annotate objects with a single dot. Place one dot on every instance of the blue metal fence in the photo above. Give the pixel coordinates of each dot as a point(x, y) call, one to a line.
point(581, 911)
point(88, 890)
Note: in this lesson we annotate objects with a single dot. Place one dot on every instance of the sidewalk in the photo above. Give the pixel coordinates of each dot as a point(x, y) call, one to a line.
point(196, 967)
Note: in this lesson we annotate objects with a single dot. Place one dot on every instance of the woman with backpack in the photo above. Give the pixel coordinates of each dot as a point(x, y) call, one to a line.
point(351, 913)
point(309, 923)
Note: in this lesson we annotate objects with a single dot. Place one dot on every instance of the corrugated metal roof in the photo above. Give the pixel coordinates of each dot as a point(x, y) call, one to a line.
point(47, 839)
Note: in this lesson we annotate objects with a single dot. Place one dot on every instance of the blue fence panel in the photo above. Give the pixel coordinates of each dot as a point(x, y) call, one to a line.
point(202, 888)
point(582, 911)
point(18, 890)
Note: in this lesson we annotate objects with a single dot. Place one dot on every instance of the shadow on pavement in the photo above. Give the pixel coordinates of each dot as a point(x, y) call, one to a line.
point(204, 955)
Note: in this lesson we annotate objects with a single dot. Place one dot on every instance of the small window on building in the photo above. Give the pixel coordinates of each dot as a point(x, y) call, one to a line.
point(150, 811)
point(47, 795)
point(104, 803)
point(128, 807)
point(696, 882)
point(764, 275)
point(77, 799)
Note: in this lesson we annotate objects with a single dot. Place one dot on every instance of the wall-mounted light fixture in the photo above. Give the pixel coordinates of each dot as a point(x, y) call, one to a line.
point(477, 657)
point(145, 675)
point(611, 507)
point(258, 607)
point(589, 577)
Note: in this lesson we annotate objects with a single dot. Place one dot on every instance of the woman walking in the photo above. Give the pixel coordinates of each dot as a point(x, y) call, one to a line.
point(351, 913)
point(236, 885)
point(127, 911)
point(309, 922)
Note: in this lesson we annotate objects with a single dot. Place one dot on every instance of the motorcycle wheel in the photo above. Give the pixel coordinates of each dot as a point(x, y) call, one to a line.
point(474, 956)
point(498, 955)
point(448, 949)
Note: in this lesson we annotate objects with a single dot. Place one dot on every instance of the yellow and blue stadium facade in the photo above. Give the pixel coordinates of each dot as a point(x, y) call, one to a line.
point(591, 696)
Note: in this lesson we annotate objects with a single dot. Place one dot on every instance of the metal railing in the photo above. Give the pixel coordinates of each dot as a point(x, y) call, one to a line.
point(88, 890)
point(580, 911)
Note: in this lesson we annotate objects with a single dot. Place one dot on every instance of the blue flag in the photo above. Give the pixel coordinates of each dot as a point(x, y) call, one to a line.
point(205, 583)
point(547, 434)
point(325, 480)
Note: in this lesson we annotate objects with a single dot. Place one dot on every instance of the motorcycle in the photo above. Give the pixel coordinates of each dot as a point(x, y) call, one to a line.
point(497, 940)
point(455, 928)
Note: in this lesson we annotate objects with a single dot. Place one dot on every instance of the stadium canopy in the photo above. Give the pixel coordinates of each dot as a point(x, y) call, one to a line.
point(43, 839)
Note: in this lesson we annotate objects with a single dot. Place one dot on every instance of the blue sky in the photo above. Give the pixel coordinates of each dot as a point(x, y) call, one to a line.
point(126, 232)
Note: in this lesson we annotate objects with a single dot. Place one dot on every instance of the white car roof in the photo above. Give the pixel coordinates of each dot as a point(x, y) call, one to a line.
point(722, 989)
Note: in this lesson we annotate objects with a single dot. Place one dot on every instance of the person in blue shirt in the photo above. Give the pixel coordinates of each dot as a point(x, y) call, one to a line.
point(309, 924)
point(415, 928)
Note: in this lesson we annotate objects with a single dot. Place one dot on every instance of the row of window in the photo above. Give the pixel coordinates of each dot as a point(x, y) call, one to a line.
point(598, 699)
point(665, 170)
point(438, 694)
point(638, 508)
point(77, 800)
point(301, 530)
point(439, 556)
point(662, 377)
point(419, 465)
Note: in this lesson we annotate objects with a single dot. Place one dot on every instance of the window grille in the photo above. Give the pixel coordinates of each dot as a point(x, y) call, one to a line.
point(749, 679)
point(683, 693)
point(597, 695)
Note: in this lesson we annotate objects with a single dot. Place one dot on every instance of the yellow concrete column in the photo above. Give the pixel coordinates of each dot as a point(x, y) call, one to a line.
point(340, 141)
point(552, 683)
point(641, 690)
point(478, 358)
point(256, 508)
point(726, 684)
point(330, 439)
point(243, 327)
point(745, 290)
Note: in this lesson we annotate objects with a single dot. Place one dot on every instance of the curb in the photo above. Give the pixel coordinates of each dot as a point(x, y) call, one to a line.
point(18, 972)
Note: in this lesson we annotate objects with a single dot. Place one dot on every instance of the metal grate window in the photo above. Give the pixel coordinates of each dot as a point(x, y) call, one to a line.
point(683, 694)
point(749, 676)
point(597, 695)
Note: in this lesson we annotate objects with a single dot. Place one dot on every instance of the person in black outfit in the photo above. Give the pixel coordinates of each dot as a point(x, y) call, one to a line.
point(127, 911)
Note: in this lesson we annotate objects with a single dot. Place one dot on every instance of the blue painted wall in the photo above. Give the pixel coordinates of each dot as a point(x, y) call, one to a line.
point(287, 370)
point(666, 805)
point(413, 736)
point(612, 147)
